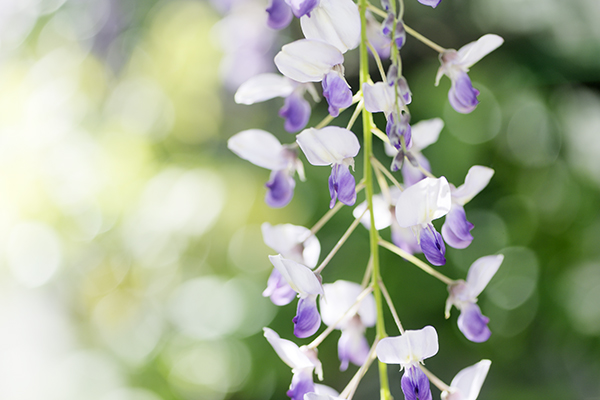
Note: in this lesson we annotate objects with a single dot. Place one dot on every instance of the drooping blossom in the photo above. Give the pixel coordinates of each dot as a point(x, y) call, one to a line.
point(423, 133)
point(336, 22)
point(261, 148)
point(466, 385)
point(339, 297)
point(456, 64)
point(384, 213)
point(294, 243)
point(333, 146)
point(314, 61)
point(457, 229)
point(302, 360)
point(295, 111)
point(409, 350)
point(418, 206)
point(308, 286)
point(463, 295)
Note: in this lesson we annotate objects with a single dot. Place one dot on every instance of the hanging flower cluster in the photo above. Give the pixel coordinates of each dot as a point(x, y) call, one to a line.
point(410, 208)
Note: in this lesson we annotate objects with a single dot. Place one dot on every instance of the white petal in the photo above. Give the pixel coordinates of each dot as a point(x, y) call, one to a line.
point(481, 272)
point(288, 351)
point(476, 180)
point(263, 87)
point(470, 53)
point(423, 202)
point(336, 22)
point(411, 347)
point(328, 145)
point(467, 383)
point(299, 276)
point(382, 214)
point(260, 148)
point(379, 97)
point(307, 60)
point(425, 133)
point(325, 390)
point(293, 242)
point(339, 297)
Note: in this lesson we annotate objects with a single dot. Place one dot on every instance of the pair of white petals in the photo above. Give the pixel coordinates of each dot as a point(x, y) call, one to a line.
point(329, 145)
point(339, 297)
point(301, 278)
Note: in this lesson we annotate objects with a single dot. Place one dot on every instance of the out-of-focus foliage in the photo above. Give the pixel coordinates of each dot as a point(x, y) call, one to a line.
point(131, 259)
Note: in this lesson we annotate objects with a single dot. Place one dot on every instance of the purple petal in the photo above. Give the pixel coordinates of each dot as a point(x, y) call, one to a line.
point(473, 324)
point(280, 14)
point(404, 238)
point(388, 24)
point(398, 127)
point(280, 189)
point(430, 3)
point(404, 90)
point(456, 229)
point(352, 347)
point(462, 95)
point(296, 111)
point(432, 245)
point(337, 92)
point(301, 8)
point(280, 292)
point(412, 175)
point(400, 34)
point(415, 384)
point(302, 383)
point(307, 320)
point(342, 185)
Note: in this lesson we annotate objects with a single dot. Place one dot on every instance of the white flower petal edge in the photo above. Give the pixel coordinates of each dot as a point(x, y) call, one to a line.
point(379, 97)
point(476, 180)
point(288, 351)
point(263, 87)
point(381, 213)
point(425, 133)
point(336, 22)
point(472, 52)
point(329, 145)
point(423, 202)
point(299, 276)
point(260, 148)
point(293, 241)
point(339, 297)
point(307, 60)
point(467, 384)
point(410, 348)
point(481, 272)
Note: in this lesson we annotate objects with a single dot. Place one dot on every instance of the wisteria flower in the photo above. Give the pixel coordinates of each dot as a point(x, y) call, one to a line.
point(261, 148)
point(337, 147)
point(423, 133)
point(339, 297)
point(418, 206)
point(380, 42)
point(384, 213)
point(295, 243)
point(336, 22)
point(409, 350)
point(314, 61)
point(308, 286)
point(456, 64)
point(302, 360)
point(466, 385)
point(463, 295)
point(295, 111)
point(456, 230)
point(430, 3)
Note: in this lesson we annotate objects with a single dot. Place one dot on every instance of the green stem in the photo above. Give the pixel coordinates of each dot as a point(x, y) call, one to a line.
point(368, 177)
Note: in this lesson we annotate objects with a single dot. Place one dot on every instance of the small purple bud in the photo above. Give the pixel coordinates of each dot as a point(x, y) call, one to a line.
point(430, 3)
point(404, 90)
point(415, 385)
point(432, 245)
point(302, 383)
point(304, 7)
point(307, 320)
point(397, 161)
point(385, 4)
point(337, 92)
point(280, 14)
point(400, 34)
point(395, 129)
point(280, 292)
point(412, 159)
point(296, 111)
point(392, 74)
point(462, 95)
point(473, 324)
point(387, 24)
point(280, 189)
point(456, 229)
point(342, 185)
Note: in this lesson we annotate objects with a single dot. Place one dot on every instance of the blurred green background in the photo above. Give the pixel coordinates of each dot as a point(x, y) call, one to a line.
point(131, 259)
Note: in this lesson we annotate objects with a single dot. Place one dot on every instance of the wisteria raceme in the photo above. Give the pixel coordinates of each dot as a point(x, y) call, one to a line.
point(412, 208)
